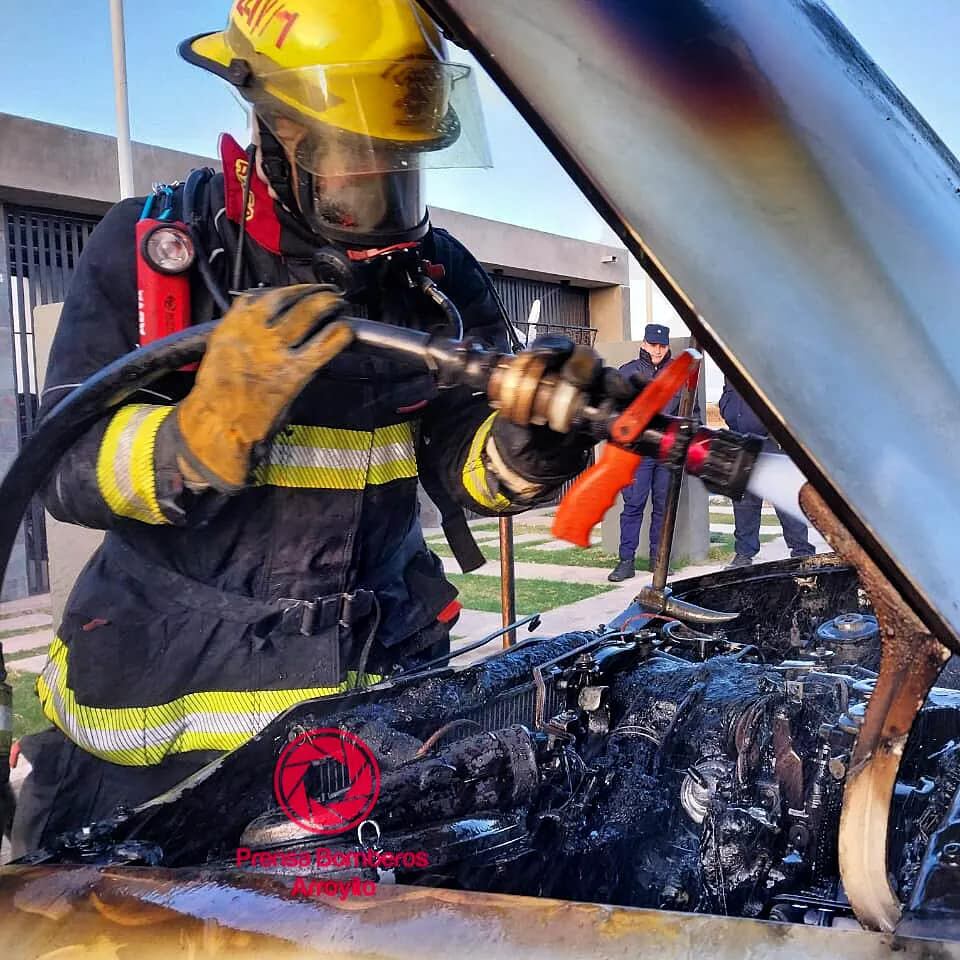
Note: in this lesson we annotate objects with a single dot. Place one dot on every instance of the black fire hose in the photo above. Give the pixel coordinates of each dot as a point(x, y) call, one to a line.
point(723, 458)
point(60, 429)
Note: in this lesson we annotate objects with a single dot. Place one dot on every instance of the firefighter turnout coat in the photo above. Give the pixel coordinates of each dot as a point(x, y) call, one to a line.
point(202, 618)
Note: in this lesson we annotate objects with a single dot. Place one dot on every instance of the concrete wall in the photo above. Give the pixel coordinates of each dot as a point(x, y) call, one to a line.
point(692, 536)
point(610, 313)
point(521, 252)
point(40, 161)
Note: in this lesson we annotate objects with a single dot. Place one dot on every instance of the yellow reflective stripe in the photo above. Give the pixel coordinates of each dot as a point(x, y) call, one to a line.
point(334, 459)
point(396, 433)
point(476, 477)
point(387, 472)
point(325, 478)
point(143, 736)
point(334, 438)
point(125, 470)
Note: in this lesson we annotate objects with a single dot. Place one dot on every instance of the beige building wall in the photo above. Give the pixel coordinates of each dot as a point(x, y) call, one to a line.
point(68, 546)
point(610, 314)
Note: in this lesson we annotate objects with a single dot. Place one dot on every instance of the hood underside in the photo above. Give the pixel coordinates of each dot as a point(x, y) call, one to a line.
point(800, 215)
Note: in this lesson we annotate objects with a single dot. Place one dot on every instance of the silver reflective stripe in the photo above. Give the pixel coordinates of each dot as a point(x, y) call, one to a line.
point(392, 453)
point(295, 455)
point(123, 461)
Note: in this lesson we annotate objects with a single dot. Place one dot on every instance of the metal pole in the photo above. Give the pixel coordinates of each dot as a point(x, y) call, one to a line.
point(508, 592)
point(661, 567)
point(124, 149)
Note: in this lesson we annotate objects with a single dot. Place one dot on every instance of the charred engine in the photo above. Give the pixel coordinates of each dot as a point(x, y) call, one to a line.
point(645, 763)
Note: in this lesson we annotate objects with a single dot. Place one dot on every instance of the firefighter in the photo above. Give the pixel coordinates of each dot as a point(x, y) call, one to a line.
point(263, 544)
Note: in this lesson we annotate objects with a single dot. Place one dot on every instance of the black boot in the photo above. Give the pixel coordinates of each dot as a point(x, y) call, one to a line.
point(624, 570)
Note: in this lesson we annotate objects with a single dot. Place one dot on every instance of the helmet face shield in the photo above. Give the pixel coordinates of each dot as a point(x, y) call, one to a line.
point(362, 99)
point(376, 116)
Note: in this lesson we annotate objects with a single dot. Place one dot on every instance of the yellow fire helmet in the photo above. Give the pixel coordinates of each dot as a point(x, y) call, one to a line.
point(368, 81)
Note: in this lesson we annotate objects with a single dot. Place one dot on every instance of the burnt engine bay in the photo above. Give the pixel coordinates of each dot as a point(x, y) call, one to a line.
point(646, 763)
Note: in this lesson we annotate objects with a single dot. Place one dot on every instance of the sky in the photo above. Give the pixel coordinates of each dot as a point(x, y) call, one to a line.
point(56, 65)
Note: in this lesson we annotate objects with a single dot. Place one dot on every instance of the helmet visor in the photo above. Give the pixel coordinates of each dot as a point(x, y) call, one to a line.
point(375, 116)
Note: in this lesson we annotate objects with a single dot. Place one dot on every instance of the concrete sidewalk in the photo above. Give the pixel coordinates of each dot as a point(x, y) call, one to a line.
point(26, 629)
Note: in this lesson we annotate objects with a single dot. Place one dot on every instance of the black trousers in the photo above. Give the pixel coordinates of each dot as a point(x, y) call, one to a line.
point(69, 788)
point(747, 514)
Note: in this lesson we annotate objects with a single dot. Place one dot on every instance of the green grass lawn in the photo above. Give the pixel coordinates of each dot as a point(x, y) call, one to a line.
point(721, 545)
point(528, 553)
point(27, 715)
point(533, 596)
point(765, 521)
point(486, 525)
point(482, 530)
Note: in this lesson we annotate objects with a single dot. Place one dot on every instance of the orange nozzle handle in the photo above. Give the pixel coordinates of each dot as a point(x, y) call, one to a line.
point(593, 494)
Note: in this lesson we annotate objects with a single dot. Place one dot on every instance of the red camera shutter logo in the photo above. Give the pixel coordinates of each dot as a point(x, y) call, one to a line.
point(325, 756)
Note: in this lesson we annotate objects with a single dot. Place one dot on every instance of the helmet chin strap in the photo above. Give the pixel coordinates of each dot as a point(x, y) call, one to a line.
point(272, 161)
point(257, 142)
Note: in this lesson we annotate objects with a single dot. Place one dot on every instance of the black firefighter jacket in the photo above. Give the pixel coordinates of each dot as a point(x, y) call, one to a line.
point(182, 633)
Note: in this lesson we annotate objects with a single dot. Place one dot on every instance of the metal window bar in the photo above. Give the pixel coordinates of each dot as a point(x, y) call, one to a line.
point(530, 331)
point(563, 309)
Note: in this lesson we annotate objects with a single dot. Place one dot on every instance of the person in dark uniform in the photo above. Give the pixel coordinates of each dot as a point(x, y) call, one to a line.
point(652, 479)
point(747, 511)
point(263, 544)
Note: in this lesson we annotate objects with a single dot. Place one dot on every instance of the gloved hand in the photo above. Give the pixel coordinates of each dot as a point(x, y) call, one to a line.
point(532, 460)
point(264, 352)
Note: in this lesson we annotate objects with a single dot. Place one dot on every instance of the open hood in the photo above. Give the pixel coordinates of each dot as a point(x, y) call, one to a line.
point(798, 212)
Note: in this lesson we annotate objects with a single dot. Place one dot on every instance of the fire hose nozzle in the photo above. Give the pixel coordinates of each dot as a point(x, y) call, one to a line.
point(723, 460)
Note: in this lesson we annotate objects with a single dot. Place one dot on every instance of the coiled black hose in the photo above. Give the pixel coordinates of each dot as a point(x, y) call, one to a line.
point(60, 429)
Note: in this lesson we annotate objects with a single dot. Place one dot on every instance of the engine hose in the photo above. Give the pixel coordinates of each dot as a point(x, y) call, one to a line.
point(66, 423)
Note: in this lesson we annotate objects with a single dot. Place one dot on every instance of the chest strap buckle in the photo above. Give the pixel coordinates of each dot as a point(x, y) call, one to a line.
point(310, 617)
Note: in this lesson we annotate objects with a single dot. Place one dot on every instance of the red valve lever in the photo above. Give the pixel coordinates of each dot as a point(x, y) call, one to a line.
point(595, 490)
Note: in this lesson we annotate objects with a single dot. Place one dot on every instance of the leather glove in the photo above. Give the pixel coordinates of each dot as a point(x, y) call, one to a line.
point(531, 460)
point(264, 352)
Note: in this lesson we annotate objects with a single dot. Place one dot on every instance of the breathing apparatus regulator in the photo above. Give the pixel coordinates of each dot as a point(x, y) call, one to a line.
point(352, 271)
